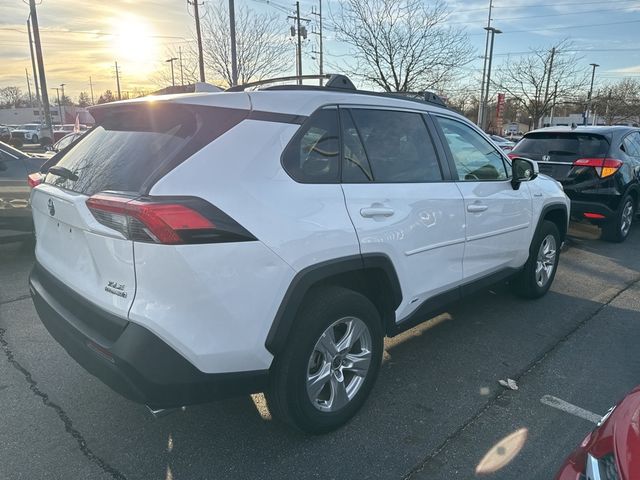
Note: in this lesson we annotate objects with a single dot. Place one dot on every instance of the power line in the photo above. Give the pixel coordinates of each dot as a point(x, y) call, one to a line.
point(565, 4)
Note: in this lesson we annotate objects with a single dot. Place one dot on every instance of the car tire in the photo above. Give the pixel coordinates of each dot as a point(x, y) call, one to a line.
point(617, 230)
point(314, 385)
point(34, 139)
point(538, 273)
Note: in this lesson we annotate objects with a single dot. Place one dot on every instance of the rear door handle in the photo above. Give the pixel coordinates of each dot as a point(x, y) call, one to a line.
point(475, 208)
point(369, 212)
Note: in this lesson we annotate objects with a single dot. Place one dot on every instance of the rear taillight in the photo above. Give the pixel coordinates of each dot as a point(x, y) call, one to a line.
point(512, 155)
point(605, 167)
point(35, 179)
point(166, 220)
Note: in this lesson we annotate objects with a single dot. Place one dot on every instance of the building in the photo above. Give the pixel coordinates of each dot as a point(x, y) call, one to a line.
point(22, 115)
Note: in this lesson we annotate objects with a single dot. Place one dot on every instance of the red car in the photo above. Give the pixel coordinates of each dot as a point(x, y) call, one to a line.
point(612, 450)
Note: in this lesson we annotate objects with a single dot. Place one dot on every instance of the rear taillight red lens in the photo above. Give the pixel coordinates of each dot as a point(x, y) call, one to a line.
point(35, 179)
point(166, 220)
point(605, 167)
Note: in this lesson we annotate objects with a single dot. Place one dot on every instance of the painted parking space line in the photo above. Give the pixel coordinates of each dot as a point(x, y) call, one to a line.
point(560, 404)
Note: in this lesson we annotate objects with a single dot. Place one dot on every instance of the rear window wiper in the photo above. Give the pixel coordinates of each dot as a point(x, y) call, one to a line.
point(63, 172)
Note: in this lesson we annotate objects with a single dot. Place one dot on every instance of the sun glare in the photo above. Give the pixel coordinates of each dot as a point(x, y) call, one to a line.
point(133, 43)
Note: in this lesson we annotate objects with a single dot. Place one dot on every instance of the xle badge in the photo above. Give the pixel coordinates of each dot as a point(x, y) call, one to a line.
point(116, 288)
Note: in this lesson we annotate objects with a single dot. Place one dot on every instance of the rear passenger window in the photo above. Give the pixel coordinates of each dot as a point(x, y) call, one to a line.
point(313, 154)
point(631, 144)
point(355, 165)
point(397, 145)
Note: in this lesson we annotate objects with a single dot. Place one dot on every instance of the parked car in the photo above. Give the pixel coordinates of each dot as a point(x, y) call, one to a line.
point(5, 134)
point(62, 130)
point(598, 168)
point(503, 143)
point(612, 450)
point(64, 142)
point(33, 133)
point(16, 222)
point(202, 246)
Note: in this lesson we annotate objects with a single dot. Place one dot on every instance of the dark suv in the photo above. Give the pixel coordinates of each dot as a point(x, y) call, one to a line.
point(598, 168)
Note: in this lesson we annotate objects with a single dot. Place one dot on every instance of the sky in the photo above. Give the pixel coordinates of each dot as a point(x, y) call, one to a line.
point(82, 39)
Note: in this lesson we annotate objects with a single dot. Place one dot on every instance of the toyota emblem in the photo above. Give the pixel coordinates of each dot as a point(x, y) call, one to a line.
point(546, 158)
point(52, 208)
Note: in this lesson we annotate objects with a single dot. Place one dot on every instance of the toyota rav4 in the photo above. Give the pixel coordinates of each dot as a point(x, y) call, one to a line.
point(198, 246)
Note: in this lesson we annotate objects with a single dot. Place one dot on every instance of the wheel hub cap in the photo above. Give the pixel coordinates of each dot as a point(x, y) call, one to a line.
point(627, 218)
point(339, 364)
point(546, 260)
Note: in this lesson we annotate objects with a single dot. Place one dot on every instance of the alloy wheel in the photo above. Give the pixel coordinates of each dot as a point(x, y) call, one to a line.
point(546, 260)
point(627, 218)
point(339, 364)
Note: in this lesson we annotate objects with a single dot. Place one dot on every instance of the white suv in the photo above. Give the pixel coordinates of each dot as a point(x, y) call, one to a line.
point(197, 246)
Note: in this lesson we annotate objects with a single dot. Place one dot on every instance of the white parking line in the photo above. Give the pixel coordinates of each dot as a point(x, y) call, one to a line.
point(560, 404)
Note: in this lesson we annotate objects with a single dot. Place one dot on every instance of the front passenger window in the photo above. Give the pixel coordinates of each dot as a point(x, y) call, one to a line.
point(474, 157)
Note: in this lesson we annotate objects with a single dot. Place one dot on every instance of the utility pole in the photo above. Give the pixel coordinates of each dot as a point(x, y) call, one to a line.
point(196, 14)
point(43, 79)
point(64, 110)
point(593, 74)
point(493, 32)
point(118, 82)
point(26, 72)
point(173, 78)
point(300, 32)
point(319, 15)
point(181, 69)
point(553, 107)
point(484, 68)
point(33, 62)
point(91, 87)
point(546, 90)
point(232, 30)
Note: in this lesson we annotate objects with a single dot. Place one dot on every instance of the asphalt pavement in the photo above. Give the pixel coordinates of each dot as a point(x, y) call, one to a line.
point(437, 411)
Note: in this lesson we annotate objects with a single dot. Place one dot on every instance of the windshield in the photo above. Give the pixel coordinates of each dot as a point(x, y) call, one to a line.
point(30, 127)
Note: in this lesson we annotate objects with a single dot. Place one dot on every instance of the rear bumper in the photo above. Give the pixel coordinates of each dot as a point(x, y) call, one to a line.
point(130, 359)
point(579, 208)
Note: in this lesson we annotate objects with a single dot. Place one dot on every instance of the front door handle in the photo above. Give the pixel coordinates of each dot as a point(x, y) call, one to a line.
point(369, 212)
point(476, 208)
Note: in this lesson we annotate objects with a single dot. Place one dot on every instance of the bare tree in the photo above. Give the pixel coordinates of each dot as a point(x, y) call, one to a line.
point(84, 100)
point(619, 102)
point(263, 49)
point(531, 80)
point(11, 96)
point(401, 45)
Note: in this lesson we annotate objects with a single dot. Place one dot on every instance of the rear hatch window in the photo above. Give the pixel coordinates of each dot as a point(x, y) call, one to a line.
point(555, 152)
point(134, 145)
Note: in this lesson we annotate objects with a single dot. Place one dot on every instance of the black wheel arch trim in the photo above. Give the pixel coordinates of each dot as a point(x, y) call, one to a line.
point(546, 210)
point(310, 276)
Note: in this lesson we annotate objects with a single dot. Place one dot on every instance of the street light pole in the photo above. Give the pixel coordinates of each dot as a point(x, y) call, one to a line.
point(484, 68)
point(59, 109)
point(173, 78)
point(64, 110)
point(493, 32)
point(586, 113)
point(40, 61)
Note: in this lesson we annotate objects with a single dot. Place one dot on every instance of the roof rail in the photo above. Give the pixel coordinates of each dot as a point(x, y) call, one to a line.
point(338, 82)
point(244, 86)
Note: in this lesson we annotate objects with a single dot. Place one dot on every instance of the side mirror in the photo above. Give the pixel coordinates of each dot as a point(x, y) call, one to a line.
point(524, 170)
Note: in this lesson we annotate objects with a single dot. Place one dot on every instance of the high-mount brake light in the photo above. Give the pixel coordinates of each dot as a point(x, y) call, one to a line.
point(605, 167)
point(166, 221)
